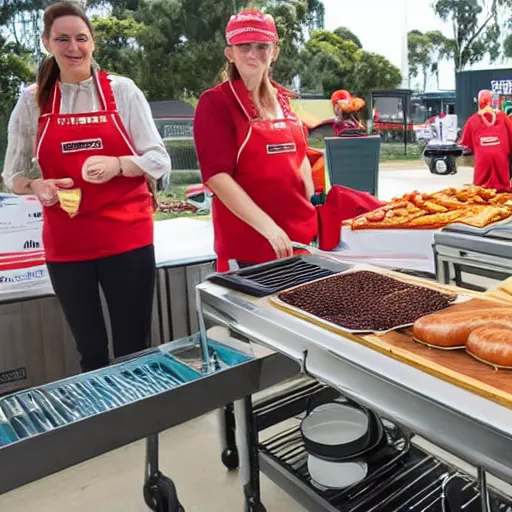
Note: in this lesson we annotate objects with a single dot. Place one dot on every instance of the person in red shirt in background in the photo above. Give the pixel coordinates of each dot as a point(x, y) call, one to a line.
point(488, 134)
point(252, 153)
point(346, 110)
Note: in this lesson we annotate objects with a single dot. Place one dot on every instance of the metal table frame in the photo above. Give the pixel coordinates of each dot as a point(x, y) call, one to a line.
point(465, 259)
point(475, 429)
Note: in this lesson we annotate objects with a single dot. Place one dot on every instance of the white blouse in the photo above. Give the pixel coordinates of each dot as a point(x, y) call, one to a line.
point(79, 98)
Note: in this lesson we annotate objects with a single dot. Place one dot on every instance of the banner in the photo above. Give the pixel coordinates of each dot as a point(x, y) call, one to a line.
point(23, 271)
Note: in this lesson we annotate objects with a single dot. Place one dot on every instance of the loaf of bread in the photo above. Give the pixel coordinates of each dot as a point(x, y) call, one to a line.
point(451, 327)
point(491, 344)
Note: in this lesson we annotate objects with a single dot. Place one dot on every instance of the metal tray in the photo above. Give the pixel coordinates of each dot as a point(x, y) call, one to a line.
point(273, 277)
point(321, 322)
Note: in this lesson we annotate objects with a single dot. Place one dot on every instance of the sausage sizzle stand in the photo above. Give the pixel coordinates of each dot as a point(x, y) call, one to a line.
point(249, 339)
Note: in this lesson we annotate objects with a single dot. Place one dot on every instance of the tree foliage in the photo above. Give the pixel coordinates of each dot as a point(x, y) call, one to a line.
point(341, 64)
point(347, 35)
point(476, 28)
point(174, 48)
point(425, 51)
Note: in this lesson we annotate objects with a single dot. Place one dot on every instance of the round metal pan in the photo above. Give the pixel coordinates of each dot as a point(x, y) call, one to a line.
point(339, 431)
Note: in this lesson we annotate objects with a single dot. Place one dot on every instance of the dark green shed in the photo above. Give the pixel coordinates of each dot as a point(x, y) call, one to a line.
point(468, 83)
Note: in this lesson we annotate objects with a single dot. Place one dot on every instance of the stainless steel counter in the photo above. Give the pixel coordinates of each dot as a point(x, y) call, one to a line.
point(475, 429)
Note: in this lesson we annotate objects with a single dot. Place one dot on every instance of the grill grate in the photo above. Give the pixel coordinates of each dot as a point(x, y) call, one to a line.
point(400, 477)
point(276, 276)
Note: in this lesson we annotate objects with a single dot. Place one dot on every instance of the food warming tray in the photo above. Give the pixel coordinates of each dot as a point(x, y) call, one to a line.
point(270, 278)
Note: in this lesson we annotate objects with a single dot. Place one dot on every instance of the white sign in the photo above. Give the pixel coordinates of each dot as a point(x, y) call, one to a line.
point(22, 263)
point(501, 86)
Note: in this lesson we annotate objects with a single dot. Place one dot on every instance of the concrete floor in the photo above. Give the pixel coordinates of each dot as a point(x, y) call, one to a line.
point(189, 453)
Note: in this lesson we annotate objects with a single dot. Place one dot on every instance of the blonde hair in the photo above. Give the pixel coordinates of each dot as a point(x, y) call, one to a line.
point(264, 98)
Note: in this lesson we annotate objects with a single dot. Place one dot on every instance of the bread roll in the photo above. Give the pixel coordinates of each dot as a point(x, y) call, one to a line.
point(492, 345)
point(452, 327)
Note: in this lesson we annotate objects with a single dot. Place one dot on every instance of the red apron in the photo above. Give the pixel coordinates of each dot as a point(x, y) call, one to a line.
point(491, 145)
point(113, 217)
point(268, 168)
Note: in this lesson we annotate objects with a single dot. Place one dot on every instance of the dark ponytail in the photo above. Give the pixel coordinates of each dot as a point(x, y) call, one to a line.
point(49, 71)
point(47, 76)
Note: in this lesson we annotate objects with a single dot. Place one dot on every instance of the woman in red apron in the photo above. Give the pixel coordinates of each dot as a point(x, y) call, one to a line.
point(252, 153)
point(488, 134)
point(95, 143)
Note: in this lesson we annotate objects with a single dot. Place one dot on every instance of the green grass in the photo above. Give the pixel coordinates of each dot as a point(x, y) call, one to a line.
point(177, 192)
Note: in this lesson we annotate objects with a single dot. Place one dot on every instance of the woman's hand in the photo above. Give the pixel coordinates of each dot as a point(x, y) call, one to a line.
point(100, 169)
point(46, 190)
point(279, 240)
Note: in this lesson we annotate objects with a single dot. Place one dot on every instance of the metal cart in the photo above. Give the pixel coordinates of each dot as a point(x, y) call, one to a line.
point(229, 377)
point(466, 425)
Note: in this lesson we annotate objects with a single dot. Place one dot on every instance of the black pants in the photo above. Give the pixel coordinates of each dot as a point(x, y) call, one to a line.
point(128, 282)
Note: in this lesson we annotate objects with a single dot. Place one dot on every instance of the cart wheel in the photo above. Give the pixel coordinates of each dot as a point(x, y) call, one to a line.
point(230, 458)
point(160, 494)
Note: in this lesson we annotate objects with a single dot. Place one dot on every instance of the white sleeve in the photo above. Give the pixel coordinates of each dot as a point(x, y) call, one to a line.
point(20, 141)
point(136, 115)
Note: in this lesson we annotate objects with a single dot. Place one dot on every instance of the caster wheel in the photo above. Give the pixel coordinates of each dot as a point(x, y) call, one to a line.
point(160, 494)
point(230, 458)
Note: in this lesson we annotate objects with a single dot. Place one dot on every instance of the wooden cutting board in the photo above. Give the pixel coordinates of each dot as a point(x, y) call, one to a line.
point(454, 366)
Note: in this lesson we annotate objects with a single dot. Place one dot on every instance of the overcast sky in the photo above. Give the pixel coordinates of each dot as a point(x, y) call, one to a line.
point(380, 25)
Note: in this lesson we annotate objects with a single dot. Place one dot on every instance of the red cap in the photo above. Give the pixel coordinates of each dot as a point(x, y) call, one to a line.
point(484, 99)
point(341, 97)
point(346, 101)
point(251, 27)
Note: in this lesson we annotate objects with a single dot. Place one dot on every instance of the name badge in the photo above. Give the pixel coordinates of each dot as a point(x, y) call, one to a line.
point(489, 141)
point(288, 147)
point(81, 145)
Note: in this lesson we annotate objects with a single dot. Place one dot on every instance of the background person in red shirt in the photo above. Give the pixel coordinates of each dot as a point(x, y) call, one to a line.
point(346, 110)
point(92, 133)
point(488, 134)
point(252, 152)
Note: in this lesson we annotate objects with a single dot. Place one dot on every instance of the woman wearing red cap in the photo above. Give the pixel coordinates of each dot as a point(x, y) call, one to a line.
point(488, 134)
point(252, 153)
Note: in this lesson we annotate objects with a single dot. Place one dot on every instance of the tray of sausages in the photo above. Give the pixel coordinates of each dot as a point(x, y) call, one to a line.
point(481, 327)
point(363, 301)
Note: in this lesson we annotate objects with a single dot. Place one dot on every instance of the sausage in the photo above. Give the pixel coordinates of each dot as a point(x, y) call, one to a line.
point(452, 327)
point(492, 345)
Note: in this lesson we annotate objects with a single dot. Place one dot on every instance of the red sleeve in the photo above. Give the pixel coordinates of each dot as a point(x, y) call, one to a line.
point(508, 125)
point(214, 135)
point(467, 135)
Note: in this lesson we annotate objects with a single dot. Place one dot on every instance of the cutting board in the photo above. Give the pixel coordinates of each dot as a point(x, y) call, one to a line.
point(454, 366)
